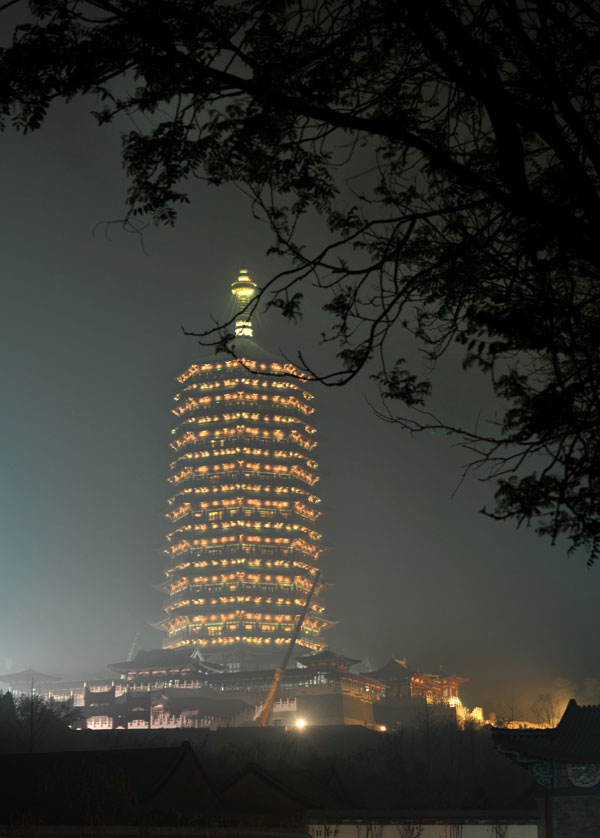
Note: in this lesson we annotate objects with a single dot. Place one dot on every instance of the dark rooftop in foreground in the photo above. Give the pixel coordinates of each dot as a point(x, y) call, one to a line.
point(576, 738)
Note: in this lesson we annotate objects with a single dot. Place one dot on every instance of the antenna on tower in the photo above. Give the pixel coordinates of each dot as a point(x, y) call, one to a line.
point(134, 647)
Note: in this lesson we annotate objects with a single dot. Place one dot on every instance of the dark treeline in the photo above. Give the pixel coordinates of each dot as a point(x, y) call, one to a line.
point(431, 764)
point(29, 723)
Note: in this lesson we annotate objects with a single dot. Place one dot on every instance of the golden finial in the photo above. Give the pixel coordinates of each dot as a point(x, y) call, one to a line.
point(243, 289)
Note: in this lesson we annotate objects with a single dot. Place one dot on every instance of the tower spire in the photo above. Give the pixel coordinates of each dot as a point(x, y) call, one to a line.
point(243, 289)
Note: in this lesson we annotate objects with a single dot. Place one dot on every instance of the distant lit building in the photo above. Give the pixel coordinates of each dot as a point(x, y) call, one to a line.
point(404, 681)
point(411, 695)
point(243, 548)
point(179, 689)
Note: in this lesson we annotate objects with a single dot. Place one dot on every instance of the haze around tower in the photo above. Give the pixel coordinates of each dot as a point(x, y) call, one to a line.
point(91, 347)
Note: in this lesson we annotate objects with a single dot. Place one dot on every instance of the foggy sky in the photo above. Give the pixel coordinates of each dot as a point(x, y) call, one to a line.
point(91, 345)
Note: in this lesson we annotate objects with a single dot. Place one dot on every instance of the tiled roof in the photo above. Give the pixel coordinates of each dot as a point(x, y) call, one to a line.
point(327, 658)
point(254, 788)
point(393, 669)
point(112, 786)
point(576, 738)
point(161, 658)
point(154, 786)
point(29, 675)
point(246, 347)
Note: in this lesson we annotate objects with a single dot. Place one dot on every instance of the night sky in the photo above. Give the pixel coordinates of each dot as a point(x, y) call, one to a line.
point(91, 345)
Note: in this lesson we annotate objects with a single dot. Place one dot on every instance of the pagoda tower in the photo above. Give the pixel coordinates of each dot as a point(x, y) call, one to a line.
point(242, 548)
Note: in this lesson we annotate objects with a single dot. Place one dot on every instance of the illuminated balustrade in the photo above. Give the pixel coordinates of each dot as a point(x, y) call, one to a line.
point(276, 454)
point(245, 469)
point(251, 545)
point(268, 564)
point(242, 364)
point(311, 645)
point(255, 399)
point(225, 418)
point(181, 532)
point(225, 383)
point(258, 488)
point(238, 599)
point(223, 517)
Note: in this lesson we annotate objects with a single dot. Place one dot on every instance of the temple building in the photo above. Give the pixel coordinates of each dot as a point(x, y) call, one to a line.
point(565, 762)
point(411, 694)
point(404, 681)
point(177, 688)
point(243, 546)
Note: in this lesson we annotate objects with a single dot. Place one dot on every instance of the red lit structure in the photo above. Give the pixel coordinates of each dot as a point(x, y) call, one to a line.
point(436, 689)
point(406, 682)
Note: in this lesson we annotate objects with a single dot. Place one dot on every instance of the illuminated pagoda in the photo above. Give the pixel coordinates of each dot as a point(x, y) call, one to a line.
point(242, 550)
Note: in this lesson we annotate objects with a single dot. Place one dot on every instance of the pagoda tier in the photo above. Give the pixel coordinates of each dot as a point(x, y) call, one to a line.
point(242, 548)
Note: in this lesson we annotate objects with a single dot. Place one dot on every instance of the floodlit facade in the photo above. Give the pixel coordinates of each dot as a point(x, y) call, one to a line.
point(243, 545)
